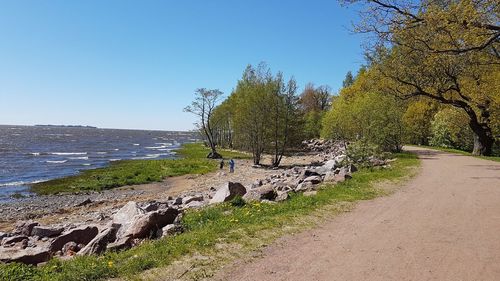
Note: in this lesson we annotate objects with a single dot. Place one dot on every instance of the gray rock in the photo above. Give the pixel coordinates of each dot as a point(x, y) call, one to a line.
point(70, 249)
point(227, 192)
point(100, 242)
point(120, 244)
point(260, 193)
point(304, 186)
point(313, 179)
point(46, 231)
point(31, 256)
point(309, 173)
point(25, 227)
point(194, 204)
point(282, 196)
point(13, 240)
point(81, 235)
point(188, 199)
point(127, 212)
point(152, 206)
point(170, 229)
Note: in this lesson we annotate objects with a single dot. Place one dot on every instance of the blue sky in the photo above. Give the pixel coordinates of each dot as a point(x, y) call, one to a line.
point(136, 64)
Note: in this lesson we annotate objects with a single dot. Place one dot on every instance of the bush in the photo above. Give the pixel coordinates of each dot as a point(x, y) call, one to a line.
point(361, 152)
point(368, 117)
point(450, 129)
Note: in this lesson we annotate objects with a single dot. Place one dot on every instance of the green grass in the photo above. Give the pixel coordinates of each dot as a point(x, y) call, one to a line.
point(129, 172)
point(458, 151)
point(217, 225)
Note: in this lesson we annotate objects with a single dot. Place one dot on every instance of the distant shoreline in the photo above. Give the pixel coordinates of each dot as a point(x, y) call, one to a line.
point(66, 126)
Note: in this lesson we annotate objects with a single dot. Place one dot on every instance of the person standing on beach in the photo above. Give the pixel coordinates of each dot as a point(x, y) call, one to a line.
point(221, 164)
point(231, 166)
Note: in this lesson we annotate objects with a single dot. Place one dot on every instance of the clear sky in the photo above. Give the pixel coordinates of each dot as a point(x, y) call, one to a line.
point(136, 64)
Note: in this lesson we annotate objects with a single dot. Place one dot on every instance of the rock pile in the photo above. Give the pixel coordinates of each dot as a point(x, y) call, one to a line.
point(131, 224)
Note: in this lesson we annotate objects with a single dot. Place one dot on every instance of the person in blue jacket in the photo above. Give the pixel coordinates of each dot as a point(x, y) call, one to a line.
point(231, 166)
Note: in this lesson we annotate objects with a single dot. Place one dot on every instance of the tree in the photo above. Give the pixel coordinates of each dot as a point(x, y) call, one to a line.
point(222, 122)
point(417, 120)
point(263, 113)
point(203, 106)
point(314, 101)
point(348, 80)
point(446, 51)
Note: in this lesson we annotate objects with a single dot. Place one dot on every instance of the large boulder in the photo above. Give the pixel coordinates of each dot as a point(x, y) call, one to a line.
point(261, 193)
point(339, 175)
point(46, 231)
point(31, 256)
point(329, 165)
point(100, 242)
point(81, 235)
point(227, 192)
point(144, 226)
point(127, 212)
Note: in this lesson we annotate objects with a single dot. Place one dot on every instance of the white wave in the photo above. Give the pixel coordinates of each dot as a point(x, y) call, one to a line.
point(116, 149)
point(68, 153)
point(87, 164)
point(15, 183)
point(156, 147)
point(115, 159)
point(164, 149)
point(164, 143)
point(102, 152)
point(35, 153)
point(136, 144)
point(56, 161)
point(79, 158)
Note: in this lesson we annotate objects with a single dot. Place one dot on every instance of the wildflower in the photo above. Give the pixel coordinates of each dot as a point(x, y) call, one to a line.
point(110, 263)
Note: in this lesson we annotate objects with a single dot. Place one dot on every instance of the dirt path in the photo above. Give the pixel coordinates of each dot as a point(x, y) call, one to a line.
point(443, 225)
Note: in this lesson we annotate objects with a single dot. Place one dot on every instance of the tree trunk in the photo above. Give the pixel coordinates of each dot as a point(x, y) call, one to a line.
point(483, 139)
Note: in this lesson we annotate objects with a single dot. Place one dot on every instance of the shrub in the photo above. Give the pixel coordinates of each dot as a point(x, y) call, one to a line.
point(450, 129)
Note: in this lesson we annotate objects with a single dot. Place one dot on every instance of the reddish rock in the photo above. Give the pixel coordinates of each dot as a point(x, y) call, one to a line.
point(82, 235)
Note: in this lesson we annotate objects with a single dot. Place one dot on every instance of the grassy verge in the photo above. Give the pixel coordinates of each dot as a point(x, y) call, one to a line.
point(211, 227)
point(129, 172)
point(457, 151)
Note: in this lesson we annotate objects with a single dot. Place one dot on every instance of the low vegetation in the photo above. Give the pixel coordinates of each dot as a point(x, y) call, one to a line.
point(128, 172)
point(228, 223)
point(466, 153)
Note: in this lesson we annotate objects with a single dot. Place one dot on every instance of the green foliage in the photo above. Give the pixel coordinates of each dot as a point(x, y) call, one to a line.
point(129, 172)
point(417, 120)
point(450, 130)
point(360, 152)
point(18, 272)
point(207, 227)
point(238, 201)
point(313, 124)
point(370, 117)
point(348, 80)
